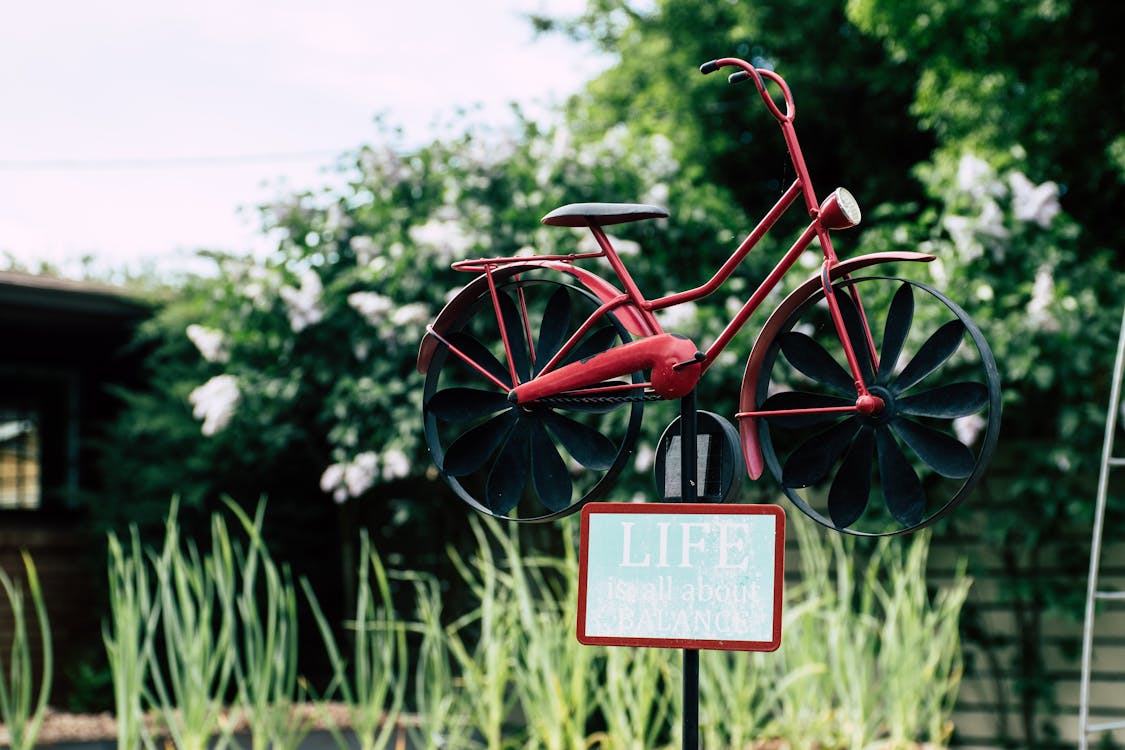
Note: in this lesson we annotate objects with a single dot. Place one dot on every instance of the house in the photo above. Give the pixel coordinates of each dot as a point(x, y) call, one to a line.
point(63, 344)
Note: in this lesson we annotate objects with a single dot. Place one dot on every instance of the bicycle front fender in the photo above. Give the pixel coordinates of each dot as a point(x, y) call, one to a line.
point(628, 314)
point(748, 426)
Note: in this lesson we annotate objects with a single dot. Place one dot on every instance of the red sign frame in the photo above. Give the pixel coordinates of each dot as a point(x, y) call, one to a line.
point(778, 562)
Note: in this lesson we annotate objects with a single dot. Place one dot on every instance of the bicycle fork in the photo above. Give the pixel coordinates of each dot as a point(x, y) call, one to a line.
point(866, 403)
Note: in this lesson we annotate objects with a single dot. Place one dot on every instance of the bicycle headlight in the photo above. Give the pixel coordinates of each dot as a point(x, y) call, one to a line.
point(840, 210)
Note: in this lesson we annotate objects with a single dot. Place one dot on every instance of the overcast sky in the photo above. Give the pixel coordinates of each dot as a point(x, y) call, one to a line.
point(133, 131)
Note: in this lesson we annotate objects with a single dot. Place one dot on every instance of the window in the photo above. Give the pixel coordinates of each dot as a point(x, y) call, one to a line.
point(38, 440)
point(20, 461)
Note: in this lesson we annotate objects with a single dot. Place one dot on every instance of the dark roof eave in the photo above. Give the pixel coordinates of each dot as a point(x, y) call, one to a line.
point(33, 292)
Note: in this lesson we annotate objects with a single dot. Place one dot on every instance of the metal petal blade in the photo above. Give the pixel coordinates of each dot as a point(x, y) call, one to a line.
point(847, 497)
point(930, 356)
point(799, 400)
point(595, 343)
point(946, 402)
point(857, 334)
point(465, 404)
point(553, 327)
point(476, 351)
point(811, 359)
point(586, 445)
point(509, 473)
point(517, 336)
point(813, 459)
point(548, 470)
point(900, 315)
point(941, 452)
point(902, 489)
point(469, 451)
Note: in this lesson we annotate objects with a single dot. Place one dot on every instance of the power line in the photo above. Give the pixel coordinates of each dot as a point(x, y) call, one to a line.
point(165, 162)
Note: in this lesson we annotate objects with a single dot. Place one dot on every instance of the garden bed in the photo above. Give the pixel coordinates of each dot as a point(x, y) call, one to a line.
point(62, 730)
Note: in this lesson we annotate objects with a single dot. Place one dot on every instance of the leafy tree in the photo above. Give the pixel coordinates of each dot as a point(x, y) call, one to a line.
point(983, 132)
point(1026, 178)
point(852, 101)
point(293, 375)
point(953, 121)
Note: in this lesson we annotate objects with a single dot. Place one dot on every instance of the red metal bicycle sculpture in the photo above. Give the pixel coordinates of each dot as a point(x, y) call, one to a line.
point(536, 382)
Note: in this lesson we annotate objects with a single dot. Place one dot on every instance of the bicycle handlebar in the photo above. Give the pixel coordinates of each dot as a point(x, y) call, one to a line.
point(749, 72)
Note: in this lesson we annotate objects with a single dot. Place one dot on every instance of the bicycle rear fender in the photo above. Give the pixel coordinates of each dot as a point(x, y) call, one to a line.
point(627, 314)
point(748, 426)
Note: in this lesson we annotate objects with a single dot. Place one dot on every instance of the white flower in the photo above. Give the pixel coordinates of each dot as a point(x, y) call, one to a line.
point(396, 465)
point(1039, 313)
point(445, 236)
point(371, 305)
point(332, 481)
point(644, 458)
point(960, 229)
point(350, 478)
point(210, 343)
point(415, 312)
point(678, 316)
point(991, 221)
point(968, 428)
point(304, 306)
point(626, 248)
point(976, 177)
point(663, 162)
point(214, 402)
point(364, 249)
point(1031, 202)
point(657, 195)
point(335, 218)
point(361, 473)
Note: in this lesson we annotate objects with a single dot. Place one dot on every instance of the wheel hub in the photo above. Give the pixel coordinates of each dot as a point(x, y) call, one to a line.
point(877, 407)
point(869, 405)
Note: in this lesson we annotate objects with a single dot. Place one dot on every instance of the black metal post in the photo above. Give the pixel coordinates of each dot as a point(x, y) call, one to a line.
point(689, 494)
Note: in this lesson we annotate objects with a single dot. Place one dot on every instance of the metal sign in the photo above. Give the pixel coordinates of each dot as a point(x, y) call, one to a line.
point(681, 575)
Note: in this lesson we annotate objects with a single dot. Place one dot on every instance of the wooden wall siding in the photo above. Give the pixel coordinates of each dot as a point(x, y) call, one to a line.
point(981, 705)
point(72, 588)
point(980, 716)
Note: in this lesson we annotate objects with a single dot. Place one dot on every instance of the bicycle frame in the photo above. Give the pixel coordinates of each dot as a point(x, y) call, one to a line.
point(837, 407)
point(674, 361)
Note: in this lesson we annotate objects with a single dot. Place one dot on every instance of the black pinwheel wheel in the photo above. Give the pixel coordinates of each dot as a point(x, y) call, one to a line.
point(927, 446)
point(533, 461)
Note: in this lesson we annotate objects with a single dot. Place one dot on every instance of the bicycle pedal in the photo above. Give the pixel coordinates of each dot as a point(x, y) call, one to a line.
point(698, 358)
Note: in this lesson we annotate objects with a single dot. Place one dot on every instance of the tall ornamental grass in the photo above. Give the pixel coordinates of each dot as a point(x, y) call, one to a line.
point(870, 655)
point(197, 619)
point(128, 636)
point(265, 663)
point(22, 707)
point(372, 682)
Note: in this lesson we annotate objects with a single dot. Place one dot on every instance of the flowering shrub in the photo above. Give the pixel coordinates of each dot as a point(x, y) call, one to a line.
point(294, 374)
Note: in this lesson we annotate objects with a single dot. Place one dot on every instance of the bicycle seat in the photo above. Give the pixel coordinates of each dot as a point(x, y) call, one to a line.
point(602, 214)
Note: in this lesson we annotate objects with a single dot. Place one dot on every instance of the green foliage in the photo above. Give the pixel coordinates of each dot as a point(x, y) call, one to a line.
point(128, 636)
point(984, 132)
point(372, 681)
point(870, 657)
point(22, 708)
point(981, 132)
point(851, 100)
point(189, 680)
point(1008, 73)
point(265, 667)
point(1022, 184)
